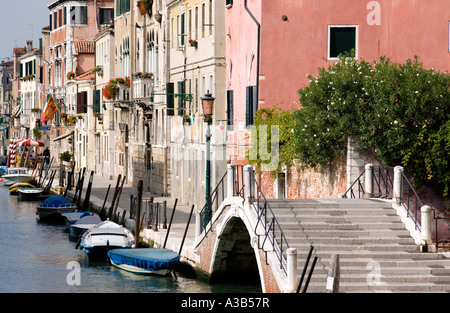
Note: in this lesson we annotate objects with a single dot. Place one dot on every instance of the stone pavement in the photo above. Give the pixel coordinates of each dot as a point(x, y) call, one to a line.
point(180, 219)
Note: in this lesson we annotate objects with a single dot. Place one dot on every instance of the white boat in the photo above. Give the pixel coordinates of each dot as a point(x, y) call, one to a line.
point(30, 194)
point(107, 235)
point(15, 175)
point(145, 260)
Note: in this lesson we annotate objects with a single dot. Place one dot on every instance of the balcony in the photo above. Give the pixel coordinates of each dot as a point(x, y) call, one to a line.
point(142, 88)
point(25, 120)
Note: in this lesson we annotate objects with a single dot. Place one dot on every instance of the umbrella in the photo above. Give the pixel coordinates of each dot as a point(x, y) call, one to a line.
point(31, 143)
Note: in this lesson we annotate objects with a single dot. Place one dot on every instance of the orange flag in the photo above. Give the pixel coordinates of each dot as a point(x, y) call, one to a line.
point(49, 110)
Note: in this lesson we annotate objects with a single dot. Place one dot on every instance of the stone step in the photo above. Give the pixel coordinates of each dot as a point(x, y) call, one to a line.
point(338, 219)
point(292, 240)
point(350, 233)
point(323, 247)
point(355, 287)
point(317, 225)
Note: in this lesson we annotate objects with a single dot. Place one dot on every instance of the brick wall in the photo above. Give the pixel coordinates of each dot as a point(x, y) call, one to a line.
point(307, 183)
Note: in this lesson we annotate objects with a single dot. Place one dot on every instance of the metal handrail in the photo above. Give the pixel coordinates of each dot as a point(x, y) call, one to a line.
point(409, 198)
point(270, 229)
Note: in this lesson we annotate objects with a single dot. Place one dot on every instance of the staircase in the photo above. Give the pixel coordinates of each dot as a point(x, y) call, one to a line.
point(376, 252)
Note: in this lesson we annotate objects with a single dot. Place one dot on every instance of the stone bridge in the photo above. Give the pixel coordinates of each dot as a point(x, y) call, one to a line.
point(248, 238)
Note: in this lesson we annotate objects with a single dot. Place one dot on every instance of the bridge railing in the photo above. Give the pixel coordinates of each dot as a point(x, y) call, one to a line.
point(272, 232)
point(231, 184)
point(388, 182)
point(239, 180)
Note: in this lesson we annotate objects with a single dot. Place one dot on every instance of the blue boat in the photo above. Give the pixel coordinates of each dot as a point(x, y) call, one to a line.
point(145, 260)
point(54, 206)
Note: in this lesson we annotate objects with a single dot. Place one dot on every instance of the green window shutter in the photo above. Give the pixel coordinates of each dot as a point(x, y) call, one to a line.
point(170, 98)
point(181, 100)
point(96, 107)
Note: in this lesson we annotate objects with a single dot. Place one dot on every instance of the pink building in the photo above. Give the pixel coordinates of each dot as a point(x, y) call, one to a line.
point(297, 37)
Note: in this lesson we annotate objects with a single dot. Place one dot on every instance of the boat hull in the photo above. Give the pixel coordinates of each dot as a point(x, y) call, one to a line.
point(30, 194)
point(141, 271)
point(9, 180)
point(52, 213)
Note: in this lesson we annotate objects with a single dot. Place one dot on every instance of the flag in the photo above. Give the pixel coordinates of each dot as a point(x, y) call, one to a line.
point(49, 110)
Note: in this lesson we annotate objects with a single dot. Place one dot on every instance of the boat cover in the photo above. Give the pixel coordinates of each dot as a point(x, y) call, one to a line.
point(89, 219)
point(56, 202)
point(151, 259)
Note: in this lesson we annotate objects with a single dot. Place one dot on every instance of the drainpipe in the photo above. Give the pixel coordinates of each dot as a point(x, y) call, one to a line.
point(258, 51)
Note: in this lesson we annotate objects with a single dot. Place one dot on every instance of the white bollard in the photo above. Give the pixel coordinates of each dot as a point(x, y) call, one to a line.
point(398, 184)
point(198, 225)
point(368, 183)
point(426, 224)
point(291, 269)
point(230, 181)
point(248, 170)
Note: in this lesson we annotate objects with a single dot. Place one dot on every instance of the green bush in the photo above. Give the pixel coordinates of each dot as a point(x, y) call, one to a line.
point(398, 111)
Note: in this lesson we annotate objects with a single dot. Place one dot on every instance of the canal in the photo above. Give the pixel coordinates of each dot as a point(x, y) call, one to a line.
point(39, 257)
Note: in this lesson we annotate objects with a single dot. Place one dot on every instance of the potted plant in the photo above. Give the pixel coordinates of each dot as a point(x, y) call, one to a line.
point(186, 118)
point(193, 43)
point(145, 6)
point(111, 90)
point(66, 158)
point(70, 75)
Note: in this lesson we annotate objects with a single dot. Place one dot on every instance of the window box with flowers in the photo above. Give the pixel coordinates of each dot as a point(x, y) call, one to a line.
point(145, 6)
point(98, 70)
point(98, 116)
point(35, 110)
point(193, 43)
point(111, 90)
point(70, 75)
point(71, 119)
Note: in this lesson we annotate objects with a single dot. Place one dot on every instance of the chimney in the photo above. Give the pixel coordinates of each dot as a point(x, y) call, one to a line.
point(29, 45)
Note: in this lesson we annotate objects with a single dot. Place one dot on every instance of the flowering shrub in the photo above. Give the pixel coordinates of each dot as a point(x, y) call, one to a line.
point(399, 112)
point(145, 6)
point(63, 115)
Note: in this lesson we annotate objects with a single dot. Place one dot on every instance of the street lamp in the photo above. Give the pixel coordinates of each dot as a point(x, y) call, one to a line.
point(122, 126)
point(208, 110)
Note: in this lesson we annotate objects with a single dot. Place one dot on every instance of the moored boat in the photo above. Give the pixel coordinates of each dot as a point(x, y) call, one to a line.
point(107, 235)
point(30, 194)
point(74, 216)
point(145, 260)
point(52, 208)
point(14, 189)
point(83, 224)
point(16, 175)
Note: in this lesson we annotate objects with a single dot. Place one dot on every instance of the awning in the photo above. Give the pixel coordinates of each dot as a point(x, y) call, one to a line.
point(63, 136)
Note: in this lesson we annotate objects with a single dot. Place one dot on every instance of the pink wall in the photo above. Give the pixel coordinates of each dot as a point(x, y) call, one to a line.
point(294, 48)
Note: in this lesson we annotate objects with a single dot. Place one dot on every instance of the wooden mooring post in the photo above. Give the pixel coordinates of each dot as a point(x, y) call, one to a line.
point(138, 213)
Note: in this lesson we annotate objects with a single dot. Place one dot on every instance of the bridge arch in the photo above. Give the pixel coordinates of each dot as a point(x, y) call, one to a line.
point(229, 249)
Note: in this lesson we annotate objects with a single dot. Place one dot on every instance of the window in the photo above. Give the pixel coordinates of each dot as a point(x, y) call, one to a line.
point(55, 20)
point(210, 17)
point(122, 6)
point(182, 29)
point(81, 102)
point(78, 15)
point(51, 24)
point(251, 105)
point(106, 16)
point(203, 20)
point(196, 23)
point(230, 108)
point(342, 39)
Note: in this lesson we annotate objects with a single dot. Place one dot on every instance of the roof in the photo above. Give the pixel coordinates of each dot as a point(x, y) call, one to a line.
point(19, 51)
point(89, 75)
point(84, 46)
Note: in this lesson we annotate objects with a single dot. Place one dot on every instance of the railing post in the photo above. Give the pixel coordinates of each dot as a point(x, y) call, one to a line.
point(398, 184)
point(426, 224)
point(291, 269)
point(248, 170)
point(368, 184)
point(230, 180)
